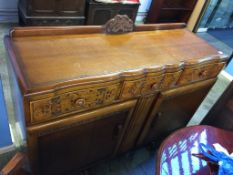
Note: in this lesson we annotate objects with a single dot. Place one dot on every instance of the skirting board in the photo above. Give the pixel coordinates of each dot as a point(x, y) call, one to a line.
point(202, 30)
point(7, 149)
point(8, 15)
point(141, 17)
point(6, 153)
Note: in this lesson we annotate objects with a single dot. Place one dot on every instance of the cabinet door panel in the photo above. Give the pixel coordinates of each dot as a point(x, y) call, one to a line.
point(173, 110)
point(63, 150)
point(106, 134)
point(63, 146)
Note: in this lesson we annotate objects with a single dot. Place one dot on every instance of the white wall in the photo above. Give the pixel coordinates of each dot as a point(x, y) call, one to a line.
point(143, 9)
point(8, 4)
point(8, 11)
point(145, 5)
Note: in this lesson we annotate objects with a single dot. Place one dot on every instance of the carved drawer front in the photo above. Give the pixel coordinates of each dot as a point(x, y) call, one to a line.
point(203, 72)
point(152, 84)
point(75, 101)
point(170, 80)
point(131, 89)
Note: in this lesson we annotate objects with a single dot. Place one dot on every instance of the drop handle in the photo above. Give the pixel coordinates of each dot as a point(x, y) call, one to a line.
point(80, 102)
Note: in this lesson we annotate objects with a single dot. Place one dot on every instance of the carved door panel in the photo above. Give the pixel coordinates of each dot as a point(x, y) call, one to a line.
point(173, 110)
point(63, 146)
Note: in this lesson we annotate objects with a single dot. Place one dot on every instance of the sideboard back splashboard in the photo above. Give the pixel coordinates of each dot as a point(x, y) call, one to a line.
point(88, 95)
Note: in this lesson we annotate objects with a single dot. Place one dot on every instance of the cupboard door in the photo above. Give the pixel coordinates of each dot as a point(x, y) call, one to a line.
point(221, 114)
point(173, 110)
point(62, 147)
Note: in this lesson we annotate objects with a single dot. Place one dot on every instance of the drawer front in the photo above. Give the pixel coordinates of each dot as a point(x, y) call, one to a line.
point(170, 80)
point(76, 101)
point(131, 89)
point(203, 72)
point(152, 84)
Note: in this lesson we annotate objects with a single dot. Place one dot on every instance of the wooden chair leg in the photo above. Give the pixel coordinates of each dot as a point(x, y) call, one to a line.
point(14, 166)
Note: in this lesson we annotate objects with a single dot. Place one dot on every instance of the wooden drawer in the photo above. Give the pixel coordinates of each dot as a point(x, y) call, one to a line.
point(131, 89)
point(152, 84)
point(76, 101)
point(170, 80)
point(198, 73)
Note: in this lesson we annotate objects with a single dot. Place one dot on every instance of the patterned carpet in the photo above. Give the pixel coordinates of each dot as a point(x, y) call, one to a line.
point(225, 36)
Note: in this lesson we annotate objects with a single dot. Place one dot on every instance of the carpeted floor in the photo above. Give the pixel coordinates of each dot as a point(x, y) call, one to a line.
point(225, 36)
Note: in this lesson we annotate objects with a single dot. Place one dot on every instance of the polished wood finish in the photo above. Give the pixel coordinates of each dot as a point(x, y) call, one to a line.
point(15, 165)
point(52, 12)
point(74, 142)
point(99, 13)
point(221, 114)
point(184, 50)
point(69, 30)
point(172, 110)
point(83, 87)
point(176, 153)
point(164, 11)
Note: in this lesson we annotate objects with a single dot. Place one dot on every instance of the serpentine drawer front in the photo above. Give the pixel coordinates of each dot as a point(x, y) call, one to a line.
point(79, 86)
point(76, 101)
point(200, 72)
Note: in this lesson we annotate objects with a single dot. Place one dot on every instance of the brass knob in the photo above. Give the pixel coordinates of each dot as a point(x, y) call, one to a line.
point(155, 86)
point(80, 102)
point(203, 73)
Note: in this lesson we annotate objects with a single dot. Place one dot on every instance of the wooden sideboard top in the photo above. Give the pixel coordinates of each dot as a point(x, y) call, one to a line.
point(48, 58)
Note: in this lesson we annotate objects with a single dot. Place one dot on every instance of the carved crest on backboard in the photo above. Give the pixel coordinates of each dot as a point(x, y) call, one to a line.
point(119, 24)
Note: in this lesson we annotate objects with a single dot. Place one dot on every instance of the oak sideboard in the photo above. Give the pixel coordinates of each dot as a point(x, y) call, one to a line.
point(87, 94)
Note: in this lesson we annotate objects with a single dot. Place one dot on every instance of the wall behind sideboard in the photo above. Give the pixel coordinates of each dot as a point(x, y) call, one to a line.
point(142, 11)
point(8, 11)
